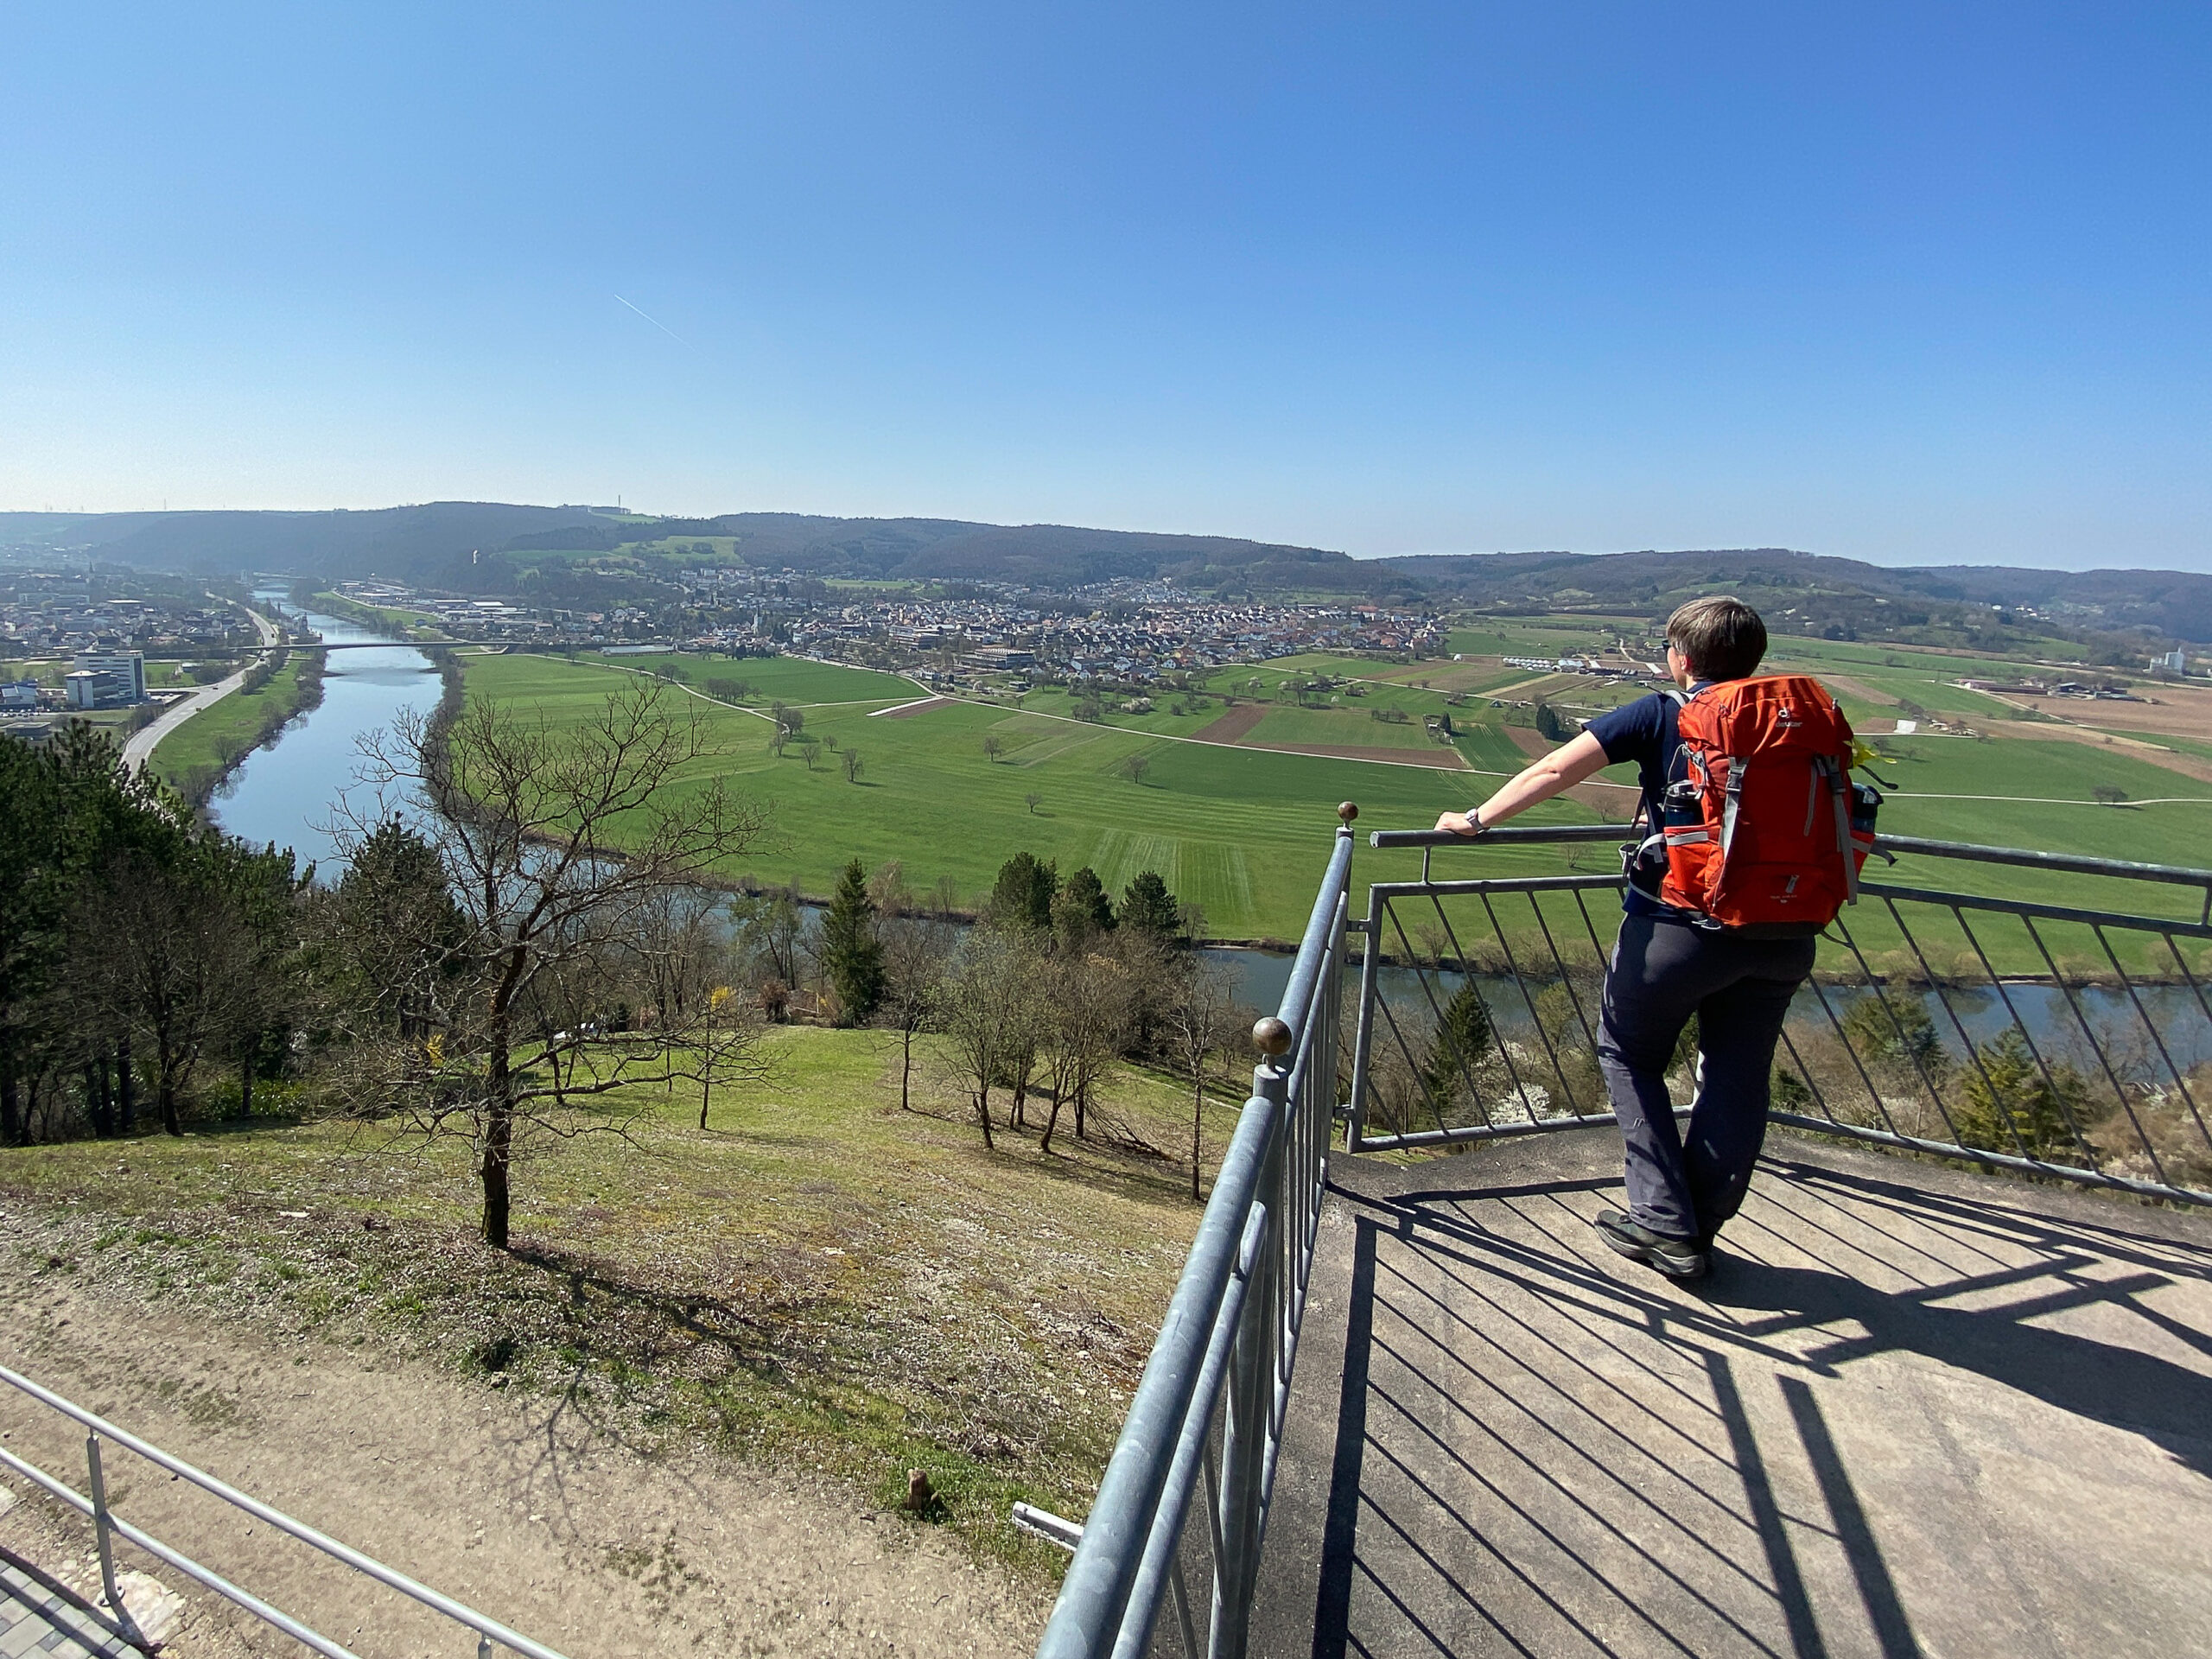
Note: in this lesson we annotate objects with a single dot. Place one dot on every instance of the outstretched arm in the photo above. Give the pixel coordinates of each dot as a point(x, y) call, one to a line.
point(1540, 780)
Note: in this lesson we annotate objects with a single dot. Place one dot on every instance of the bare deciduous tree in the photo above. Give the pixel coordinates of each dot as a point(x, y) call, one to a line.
point(556, 844)
point(1090, 999)
point(1198, 1015)
point(981, 1011)
point(916, 950)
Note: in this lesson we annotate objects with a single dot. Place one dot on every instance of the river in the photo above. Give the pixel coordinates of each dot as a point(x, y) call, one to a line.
point(287, 791)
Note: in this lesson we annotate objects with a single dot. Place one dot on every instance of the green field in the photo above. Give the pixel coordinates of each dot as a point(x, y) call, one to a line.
point(1340, 728)
point(1488, 749)
point(236, 719)
point(790, 679)
point(1161, 721)
point(1537, 637)
point(1243, 833)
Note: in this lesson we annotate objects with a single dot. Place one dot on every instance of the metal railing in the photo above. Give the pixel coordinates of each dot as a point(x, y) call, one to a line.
point(107, 1526)
point(2069, 1039)
point(1210, 1406)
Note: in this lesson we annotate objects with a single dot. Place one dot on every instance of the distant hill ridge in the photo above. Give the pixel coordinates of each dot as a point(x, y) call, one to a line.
point(477, 545)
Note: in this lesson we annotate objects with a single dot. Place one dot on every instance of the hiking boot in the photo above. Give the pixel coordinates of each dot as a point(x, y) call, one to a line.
point(1678, 1258)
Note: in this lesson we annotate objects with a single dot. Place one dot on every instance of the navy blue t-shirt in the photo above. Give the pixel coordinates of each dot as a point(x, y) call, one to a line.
point(1645, 731)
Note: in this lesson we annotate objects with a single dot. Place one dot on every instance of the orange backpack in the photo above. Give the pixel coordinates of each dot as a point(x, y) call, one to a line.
point(1765, 832)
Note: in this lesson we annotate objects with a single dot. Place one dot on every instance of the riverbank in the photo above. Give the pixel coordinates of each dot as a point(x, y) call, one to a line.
point(412, 627)
point(200, 754)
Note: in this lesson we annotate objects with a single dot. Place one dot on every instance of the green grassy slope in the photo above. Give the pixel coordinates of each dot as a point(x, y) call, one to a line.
point(791, 679)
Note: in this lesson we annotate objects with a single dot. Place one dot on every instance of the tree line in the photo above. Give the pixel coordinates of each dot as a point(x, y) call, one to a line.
point(1034, 1007)
point(489, 965)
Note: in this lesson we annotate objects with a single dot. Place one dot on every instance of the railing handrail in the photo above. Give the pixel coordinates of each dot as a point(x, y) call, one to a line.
point(459, 1612)
point(1093, 1613)
point(2072, 863)
point(2089, 1123)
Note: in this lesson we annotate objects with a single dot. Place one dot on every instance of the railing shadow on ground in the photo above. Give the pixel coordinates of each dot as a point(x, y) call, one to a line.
point(1529, 1451)
point(1982, 1021)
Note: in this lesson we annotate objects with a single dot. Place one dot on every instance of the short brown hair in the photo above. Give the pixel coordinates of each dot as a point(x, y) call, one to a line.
point(1722, 637)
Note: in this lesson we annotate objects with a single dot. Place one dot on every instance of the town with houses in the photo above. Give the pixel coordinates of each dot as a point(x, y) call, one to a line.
point(1127, 630)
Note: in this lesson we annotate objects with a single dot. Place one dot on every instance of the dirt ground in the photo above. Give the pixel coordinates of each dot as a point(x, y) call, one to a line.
point(531, 1508)
point(908, 710)
point(2184, 710)
point(1233, 725)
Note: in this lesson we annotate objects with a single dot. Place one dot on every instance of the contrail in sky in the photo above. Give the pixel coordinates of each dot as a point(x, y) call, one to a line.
point(659, 324)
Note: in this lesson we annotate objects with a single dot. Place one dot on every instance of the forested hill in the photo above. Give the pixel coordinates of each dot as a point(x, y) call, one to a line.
point(485, 547)
point(1841, 591)
point(470, 545)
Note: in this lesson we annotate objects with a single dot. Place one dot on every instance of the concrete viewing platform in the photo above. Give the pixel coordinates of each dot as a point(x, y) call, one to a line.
point(1913, 1410)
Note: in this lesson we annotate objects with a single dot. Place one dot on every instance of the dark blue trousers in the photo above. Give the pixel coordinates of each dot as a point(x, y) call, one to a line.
point(1662, 972)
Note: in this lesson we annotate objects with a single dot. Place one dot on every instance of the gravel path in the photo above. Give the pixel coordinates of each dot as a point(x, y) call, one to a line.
point(526, 1508)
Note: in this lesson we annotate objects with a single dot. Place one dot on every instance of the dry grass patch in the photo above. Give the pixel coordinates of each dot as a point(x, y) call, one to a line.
point(818, 1281)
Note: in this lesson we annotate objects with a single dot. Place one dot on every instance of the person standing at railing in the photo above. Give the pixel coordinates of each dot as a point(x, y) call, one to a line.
point(1671, 963)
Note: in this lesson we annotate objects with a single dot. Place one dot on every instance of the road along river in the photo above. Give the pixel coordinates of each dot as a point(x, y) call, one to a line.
point(288, 791)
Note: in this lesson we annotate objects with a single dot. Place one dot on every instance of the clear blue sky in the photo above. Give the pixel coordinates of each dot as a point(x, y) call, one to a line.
point(1915, 283)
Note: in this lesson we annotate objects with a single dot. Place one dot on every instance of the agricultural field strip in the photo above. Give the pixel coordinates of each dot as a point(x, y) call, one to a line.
point(1207, 742)
point(739, 707)
point(1479, 772)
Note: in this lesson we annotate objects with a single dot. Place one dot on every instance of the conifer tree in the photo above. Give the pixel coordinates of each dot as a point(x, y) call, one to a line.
point(1081, 909)
point(1022, 897)
point(1461, 1041)
point(1148, 908)
point(852, 956)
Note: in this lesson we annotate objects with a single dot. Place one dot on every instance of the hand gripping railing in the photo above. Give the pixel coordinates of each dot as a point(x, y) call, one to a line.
point(2069, 1039)
point(107, 1526)
point(1229, 1341)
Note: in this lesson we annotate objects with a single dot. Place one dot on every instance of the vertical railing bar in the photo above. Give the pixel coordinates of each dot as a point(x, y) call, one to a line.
point(1182, 1595)
point(2027, 1037)
point(2203, 1006)
point(1857, 1065)
point(102, 1530)
point(1973, 1049)
point(1370, 952)
point(1460, 1055)
point(1805, 1072)
point(1413, 1065)
point(1551, 1054)
point(1565, 974)
point(2158, 1037)
point(1443, 1026)
point(1896, 1025)
point(2081, 1019)
point(1591, 927)
point(1216, 1449)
